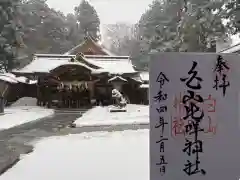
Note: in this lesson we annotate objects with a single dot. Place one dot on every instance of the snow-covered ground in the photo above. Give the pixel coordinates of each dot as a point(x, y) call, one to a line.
point(114, 155)
point(17, 116)
point(21, 112)
point(102, 116)
point(25, 102)
point(88, 156)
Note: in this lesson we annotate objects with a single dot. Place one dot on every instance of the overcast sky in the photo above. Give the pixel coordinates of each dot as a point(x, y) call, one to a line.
point(109, 11)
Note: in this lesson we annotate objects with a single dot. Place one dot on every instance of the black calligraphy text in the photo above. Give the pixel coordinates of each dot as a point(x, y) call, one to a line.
point(161, 124)
point(221, 78)
point(194, 115)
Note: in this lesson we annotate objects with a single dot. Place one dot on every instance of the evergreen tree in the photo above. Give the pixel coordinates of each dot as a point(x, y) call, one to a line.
point(120, 38)
point(75, 32)
point(10, 34)
point(189, 25)
point(45, 29)
point(158, 26)
point(232, 13)
point(201, 25)
point(88, 19)
point(181, 25)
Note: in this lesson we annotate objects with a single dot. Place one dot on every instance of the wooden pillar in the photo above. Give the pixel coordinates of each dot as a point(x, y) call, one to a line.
point(91, 87)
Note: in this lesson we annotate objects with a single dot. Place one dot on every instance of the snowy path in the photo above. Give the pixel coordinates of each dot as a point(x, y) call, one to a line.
point(91, 156)
point(13, 141)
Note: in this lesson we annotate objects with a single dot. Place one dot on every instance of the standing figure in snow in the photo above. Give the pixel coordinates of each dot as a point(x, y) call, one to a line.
point(118, 98)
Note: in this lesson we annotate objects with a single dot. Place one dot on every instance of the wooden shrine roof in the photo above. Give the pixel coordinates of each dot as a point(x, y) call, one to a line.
point(89, 46)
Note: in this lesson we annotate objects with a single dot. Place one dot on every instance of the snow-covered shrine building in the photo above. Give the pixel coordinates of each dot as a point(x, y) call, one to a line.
point(232, 45)
point(89, 69)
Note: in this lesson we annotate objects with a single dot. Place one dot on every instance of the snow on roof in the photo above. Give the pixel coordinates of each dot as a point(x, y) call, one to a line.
point(44, 64)
point(54, 55)
point(8, 79)
point(8, 74)
point(112, 64)
point(144, 76)
point(117, 78)
point(96, 43)
point(144, 86)
point(232, 49)
point(26, 80)
point(232, 46)
point(11, 78)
